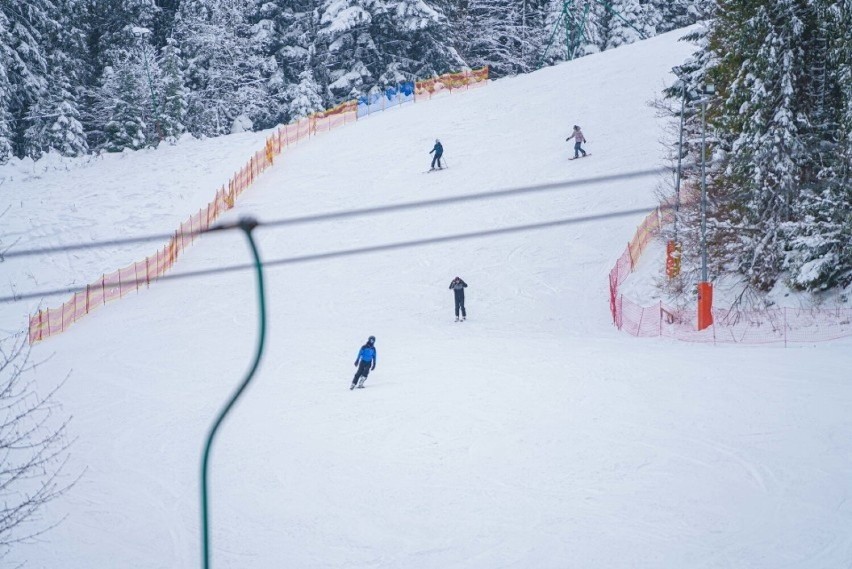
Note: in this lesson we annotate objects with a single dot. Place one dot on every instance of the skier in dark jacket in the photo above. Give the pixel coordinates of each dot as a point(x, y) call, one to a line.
point(438, 149)
point(367, 359)
point(457, 286)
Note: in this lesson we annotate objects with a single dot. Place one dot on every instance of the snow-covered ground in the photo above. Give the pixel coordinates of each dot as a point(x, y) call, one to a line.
point(532, 435)
point(57, 201)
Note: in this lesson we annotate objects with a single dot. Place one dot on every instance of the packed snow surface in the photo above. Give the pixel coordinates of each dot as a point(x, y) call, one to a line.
point(534, 435)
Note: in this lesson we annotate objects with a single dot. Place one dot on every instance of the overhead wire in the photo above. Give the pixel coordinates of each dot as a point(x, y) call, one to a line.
point(343, 214)
point(350, 252)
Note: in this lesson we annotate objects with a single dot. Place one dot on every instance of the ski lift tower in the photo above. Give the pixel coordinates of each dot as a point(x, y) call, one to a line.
point(573, 18)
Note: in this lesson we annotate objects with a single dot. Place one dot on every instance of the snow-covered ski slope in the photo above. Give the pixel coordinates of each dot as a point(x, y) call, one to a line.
point(534, 435)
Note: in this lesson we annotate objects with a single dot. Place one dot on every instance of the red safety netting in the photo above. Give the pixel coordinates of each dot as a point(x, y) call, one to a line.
point(729, 326)
point(52, 321)
point(740, 326)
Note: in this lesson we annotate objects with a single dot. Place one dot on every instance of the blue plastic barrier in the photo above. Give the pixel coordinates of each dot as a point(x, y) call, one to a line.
point(389, 97)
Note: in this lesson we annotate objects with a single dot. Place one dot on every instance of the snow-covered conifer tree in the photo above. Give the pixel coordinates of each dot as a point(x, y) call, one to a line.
point(779, 191)
point(506, 35)
point(120, 56)
point(5, 90)
point(414, 40)
point(123, 98)
point(172, 90)
point(226, 70)
point(292, 47)
point(674, 14)
point(55, 122)
point(765, 111)
point(56, 118)
point(346, 49)
point(820, 256)
point(28, 28)
point(630, 21)
point(364, 44)
point(303, 97)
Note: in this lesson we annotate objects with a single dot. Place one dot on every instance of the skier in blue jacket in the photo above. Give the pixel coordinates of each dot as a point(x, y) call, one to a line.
point(438, 149)
point(367, 359)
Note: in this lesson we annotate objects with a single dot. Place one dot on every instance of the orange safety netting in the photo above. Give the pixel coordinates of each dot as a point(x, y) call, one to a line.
point(451, 81)
point(342, 108)
point(52, 321)
point(730, 326)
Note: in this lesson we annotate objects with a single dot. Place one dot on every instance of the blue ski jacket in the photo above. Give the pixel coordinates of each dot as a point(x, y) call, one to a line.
point(438, 149)
point(367, 354)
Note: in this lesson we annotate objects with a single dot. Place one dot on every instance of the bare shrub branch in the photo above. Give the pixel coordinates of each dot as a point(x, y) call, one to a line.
point(33, 447)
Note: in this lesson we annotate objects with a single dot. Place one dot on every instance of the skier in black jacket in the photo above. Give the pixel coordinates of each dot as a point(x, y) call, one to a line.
point(438, 149)
point(457, 286)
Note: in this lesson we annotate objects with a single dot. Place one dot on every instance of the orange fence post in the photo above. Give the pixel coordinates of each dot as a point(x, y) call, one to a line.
point(705, 305)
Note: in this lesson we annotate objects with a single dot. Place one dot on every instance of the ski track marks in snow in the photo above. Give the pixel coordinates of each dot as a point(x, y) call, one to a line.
point(57, 201)
point(533, 435)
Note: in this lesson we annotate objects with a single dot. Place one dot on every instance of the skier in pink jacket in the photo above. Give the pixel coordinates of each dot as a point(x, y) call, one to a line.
point(579, 139)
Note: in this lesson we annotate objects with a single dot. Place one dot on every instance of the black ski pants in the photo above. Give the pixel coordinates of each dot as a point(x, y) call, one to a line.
point(363, 370)
point(437, 159)
point(460, 305)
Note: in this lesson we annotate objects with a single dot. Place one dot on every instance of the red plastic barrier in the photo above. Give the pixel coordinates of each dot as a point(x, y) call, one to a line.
point(724, 326)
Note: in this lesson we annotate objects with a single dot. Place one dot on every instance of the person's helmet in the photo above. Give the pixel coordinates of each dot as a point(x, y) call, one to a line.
point(371, 340)
point(576, 127)
point(437, 141)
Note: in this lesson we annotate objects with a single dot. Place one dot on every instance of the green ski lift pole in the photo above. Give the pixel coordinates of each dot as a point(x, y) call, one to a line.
point(552, 36)
point(575, 28)
point(246, 225)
